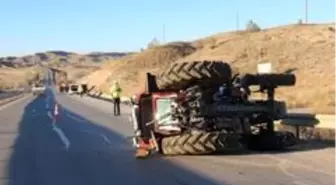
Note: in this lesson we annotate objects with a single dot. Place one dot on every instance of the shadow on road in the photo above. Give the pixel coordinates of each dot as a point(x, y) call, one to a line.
point(39, 157)
point(115, 160)
point(21, 167)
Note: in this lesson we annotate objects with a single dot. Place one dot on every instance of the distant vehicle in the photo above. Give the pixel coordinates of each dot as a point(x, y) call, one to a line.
point(38, 89)
point(74, 89)
point(63, 87)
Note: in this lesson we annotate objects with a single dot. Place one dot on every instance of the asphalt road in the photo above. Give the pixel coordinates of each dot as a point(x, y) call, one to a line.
point(85, 145)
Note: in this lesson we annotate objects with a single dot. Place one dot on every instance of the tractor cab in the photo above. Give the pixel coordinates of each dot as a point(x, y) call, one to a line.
point(154, 112)
point(162, 109)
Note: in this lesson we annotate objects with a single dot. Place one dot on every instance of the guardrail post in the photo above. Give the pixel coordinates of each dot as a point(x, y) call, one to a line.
point(297, 131)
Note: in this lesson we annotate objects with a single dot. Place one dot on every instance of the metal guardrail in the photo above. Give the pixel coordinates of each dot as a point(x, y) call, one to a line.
point(9, 97)
point(297, 120)
point(106, 97)
point(9, 94)
point(310, 126)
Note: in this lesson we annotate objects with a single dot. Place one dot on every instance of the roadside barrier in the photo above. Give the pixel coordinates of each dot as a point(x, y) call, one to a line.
point(305, 126)
point(7, 98)
point(106, 97)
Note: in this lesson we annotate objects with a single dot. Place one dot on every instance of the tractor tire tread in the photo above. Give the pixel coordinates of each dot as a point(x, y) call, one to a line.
point(199, 143)
point(181, 75)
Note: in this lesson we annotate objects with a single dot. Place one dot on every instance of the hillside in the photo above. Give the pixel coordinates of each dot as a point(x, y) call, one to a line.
point(77, 65)
point(59, 56)
point(19, 77)
point(130, 70)
point(307, 48)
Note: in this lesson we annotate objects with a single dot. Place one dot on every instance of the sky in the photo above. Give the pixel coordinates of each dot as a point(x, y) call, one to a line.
point(29, 26)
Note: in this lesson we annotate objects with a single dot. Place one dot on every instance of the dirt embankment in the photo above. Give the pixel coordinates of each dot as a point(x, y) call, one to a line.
point(309, 50)
point(19, 77)
point(131, 70)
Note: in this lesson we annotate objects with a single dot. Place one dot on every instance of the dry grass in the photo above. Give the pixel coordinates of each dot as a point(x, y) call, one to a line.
point(131, 69)
point(18, 77)
point(307, 48)
point(78, 71)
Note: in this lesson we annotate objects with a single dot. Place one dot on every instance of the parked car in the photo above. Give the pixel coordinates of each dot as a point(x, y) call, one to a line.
point(38, 89)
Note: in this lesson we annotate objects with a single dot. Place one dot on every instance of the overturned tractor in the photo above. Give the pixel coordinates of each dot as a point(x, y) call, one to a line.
point(200, 107)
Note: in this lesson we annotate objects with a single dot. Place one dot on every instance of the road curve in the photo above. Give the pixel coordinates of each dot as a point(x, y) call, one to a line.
point(85, 145)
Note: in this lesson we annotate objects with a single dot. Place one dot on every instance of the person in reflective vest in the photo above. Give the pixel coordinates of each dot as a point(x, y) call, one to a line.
point(115, 91)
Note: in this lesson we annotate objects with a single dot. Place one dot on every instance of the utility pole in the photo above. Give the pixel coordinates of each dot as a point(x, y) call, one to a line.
point(164, 33)
point(306, 11)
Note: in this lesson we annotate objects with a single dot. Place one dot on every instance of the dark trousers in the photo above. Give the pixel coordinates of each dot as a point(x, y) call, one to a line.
point(84, 90)
point(116, 106)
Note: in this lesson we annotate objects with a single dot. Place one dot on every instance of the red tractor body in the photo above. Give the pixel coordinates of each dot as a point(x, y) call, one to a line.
point(196, 108)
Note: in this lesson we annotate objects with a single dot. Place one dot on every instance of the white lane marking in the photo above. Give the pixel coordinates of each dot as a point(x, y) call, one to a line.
point(75, 118)
point(14, 102)
point(61, 134)
point(105, 138)
point(47, 102)
point(50, 115)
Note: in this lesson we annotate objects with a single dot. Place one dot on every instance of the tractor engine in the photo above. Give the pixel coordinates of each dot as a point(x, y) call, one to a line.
point(228, 108)
point(193, 109)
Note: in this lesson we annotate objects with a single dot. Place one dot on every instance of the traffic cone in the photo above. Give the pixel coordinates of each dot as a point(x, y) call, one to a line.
point(56, 111)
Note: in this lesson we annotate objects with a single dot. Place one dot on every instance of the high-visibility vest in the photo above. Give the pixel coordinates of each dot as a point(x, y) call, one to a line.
point(115, 91)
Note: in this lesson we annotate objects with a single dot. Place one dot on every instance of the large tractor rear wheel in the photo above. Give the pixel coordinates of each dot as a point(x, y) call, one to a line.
point(200, 143)
point(181, 75)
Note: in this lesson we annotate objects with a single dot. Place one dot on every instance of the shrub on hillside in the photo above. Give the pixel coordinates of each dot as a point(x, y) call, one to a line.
point(251, 26)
